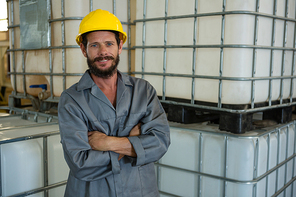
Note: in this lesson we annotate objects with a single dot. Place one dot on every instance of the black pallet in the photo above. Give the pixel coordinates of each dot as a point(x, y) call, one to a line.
point(189, 115)
point(237, 123)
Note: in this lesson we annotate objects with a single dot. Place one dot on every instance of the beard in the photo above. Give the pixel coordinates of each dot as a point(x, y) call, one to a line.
point(100, 72)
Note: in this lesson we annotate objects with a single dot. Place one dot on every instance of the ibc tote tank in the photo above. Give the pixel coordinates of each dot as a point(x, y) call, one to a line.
point(204, 161)
point(229, 52)
point(43, 47)
point(31, 156)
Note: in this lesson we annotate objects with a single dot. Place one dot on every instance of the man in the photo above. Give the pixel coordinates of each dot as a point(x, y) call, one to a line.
point(112, 126)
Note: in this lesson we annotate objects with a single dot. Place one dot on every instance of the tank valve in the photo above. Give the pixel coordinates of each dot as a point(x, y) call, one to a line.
point(42, 95)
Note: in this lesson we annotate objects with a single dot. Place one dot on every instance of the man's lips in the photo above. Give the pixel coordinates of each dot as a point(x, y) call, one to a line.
point(103, 59)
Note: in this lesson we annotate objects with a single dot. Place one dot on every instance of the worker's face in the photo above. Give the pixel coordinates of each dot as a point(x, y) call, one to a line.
point(102, 53)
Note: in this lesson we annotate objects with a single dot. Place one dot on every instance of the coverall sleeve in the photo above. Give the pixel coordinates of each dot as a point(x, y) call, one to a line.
point(154, 140)
point(84, 163)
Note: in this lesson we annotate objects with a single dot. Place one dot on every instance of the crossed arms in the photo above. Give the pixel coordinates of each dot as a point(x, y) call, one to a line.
point(101, 142)
point(81, 145)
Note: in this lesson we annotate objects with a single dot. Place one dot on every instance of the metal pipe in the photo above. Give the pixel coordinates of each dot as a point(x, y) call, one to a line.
point(12, 26)
point(18, 111)
point(217, 77)
point(171, 46)
point(272, 53)
point(293, 64)
point(144, 36)
point(225, 164)
point(256, 160)
point(200, 153)
point(283, 188)
point(50, 50)
point(49, 74)
point(12, 46)
point(36, 117)
point(64, 18)
point(53, 47)
point(129, 38)
point(45, 165)
point(90, 6)
point(25, 126)
point(114, 7)
point(286, 156)
point(221, 55)
point(294, 151)
point(254, 56)
point(194, 52)
point(165, 51)
point(36, 136)
point(63, 44)
point(267, 162)
point(24, 71)
point(284, 52)
point(218, 46)
point(216, 14)
point(1, 174)
point(34, 191)
point(278, 158)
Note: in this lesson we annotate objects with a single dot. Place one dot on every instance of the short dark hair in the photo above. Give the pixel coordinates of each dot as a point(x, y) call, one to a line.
point(84, 39)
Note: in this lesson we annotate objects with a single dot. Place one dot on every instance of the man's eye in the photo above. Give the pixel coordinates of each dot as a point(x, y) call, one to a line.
point(109, 44)
point(93, 45)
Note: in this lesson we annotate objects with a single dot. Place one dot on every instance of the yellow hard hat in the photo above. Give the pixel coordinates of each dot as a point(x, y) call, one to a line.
point(100, 20)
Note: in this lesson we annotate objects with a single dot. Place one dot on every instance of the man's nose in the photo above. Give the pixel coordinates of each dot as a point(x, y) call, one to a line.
point(103, 50)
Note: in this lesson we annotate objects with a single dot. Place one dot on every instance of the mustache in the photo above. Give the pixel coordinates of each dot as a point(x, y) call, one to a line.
point(103, 58)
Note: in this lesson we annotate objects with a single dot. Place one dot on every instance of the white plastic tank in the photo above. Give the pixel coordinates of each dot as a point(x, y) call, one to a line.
point(22, 166)
point(238, 29)
point(229, 164)
point(38, 61)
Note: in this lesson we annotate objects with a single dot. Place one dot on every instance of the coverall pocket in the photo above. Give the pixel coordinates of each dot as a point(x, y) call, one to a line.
point(148, 180)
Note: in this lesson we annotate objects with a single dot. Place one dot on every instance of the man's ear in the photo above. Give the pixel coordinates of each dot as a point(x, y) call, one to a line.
point(83, 49)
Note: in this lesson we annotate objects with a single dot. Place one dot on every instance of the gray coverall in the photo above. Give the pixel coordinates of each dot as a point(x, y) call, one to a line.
point(84, 107)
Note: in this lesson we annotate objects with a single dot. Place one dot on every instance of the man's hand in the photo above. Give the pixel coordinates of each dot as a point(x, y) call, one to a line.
point(136, 131)
point(98, 140)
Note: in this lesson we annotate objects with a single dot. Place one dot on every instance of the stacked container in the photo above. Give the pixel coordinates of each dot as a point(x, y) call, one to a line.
point(43, 47)
point(203, 161)
point(31, 156)
point(221, 51)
